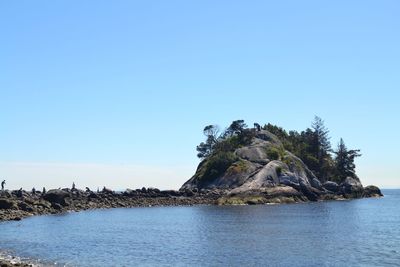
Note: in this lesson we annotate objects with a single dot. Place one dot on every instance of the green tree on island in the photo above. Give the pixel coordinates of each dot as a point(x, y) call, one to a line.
point(344, 161)
point(206, 148)
point(321, 148)
point(236, 128)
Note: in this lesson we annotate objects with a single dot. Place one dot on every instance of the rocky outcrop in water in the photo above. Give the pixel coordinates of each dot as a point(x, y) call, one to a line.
point(257, 175)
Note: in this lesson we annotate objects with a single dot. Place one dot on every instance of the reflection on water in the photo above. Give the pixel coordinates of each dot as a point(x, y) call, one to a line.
point(362, 232)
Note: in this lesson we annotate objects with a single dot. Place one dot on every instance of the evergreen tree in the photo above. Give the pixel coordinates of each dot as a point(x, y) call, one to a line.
point(320, 147)
point(321, 135)
point(236, 128)
point(205, 149)
point(344, 161)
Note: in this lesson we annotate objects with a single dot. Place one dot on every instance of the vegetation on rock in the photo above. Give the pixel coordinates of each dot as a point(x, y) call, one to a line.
point(312, 146)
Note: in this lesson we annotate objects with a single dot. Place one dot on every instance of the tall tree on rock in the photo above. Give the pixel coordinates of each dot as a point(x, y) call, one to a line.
point(206, 148)
point(236, 128)
point(344, 162)
point(321, 148)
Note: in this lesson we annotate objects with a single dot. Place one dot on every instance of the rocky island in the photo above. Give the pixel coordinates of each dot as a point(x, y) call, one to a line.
point(242, 165)
point(269, 165)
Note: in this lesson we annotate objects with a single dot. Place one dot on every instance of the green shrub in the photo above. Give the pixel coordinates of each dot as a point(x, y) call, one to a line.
point(237, 167)
point(278, 170)
point(311, 162)
point(217, 165)
point(228, 144)
point(273, 153)
point(287, 161)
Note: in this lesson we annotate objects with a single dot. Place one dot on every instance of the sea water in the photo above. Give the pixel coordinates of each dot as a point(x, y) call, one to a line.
point(363, 232)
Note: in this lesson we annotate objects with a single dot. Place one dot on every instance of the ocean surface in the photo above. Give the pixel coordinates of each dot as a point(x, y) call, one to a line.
point(363, 232)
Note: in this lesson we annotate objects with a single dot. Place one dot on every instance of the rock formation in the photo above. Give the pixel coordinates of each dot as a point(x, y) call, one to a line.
point(14, 206)
point(257, 172)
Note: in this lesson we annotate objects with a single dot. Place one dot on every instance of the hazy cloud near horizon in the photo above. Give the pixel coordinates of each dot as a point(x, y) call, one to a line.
point(117, 177)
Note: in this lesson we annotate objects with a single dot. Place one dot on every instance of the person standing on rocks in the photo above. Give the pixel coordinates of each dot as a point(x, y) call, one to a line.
point(2, 185)
point(20, 193)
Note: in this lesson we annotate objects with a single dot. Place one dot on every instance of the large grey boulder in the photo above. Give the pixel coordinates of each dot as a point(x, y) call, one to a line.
point(372, 191)
point(25, 207)
point(269, 137)
point(130, 193)
point(236, 175)
point(308, 192)
point(57, 196)
point(289, 179)
point(256, 154)
point(6, 204)
point(316, 184)
point(5, 194)
point(352, 187)
point(263, 177)
point(331, 186)
point(300, 170)
point(268, 175)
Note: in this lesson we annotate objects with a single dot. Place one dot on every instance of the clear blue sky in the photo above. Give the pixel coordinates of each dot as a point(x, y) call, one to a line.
point(118, 92)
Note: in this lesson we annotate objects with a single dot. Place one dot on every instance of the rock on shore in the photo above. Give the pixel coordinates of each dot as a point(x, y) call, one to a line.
point(11, 261)
point(7, 263)
point(15, 205)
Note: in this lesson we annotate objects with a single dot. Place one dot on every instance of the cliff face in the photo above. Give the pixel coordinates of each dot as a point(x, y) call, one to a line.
point(265, 166)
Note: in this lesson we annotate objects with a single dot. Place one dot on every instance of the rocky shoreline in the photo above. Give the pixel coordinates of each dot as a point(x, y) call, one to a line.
point(12, 261)
point(7, 263)
point(16, 205)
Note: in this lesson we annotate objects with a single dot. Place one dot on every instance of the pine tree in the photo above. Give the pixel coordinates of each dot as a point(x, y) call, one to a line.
point(344, 161)
point(206, 148)
point(236, 128)
point(320, 148)
point(321, 135)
